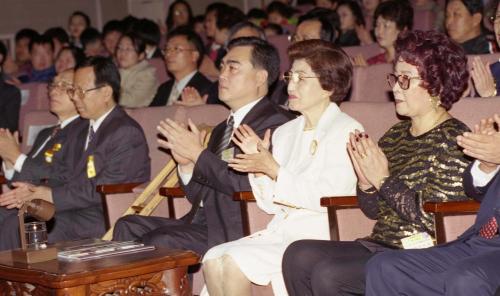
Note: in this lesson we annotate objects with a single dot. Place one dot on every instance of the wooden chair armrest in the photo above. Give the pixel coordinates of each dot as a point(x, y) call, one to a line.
point(3, 180)
point(172, 192)
point(336, 203)
point(116, 188)
point(243, 196)
point(450, 208)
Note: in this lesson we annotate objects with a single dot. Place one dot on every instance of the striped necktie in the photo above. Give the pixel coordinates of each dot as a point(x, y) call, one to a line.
point(226, 137)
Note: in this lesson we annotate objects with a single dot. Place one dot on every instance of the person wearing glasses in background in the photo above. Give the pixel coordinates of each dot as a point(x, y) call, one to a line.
point(416, 161)
point(110, 148)
point(183, 54)
point(308, 161)
point(138, 77)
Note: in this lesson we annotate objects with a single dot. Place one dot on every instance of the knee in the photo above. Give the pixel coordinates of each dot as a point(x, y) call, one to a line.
point(121, 228)
point(461, 280)
point(296, 256)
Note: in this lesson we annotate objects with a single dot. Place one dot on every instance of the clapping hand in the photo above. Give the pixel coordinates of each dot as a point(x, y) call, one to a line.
point(369, 161)
point(248, 140)
point(483, 79)
point(9, 146)
point(191, 97)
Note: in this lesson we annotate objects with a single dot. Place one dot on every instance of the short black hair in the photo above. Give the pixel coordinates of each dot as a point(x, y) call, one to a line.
point(148, 31)
point(129, 22)
point(26, 33)
point(170, 17)
point(356, 11)
point(106, 73)
point(3, 53)
point(57, 33)
point(281, 8)
point(41, 40)
point(112, 26)
point(137, 42)
point(192, 38)
point(329, 20)
point(215, 7)
point(474, 6)
point(229, 16)
point(76, 52)
point(256, 14)
point(398, 11)
point(90, 35)
point(83, 15)
point(264, 55)
point(247, 24)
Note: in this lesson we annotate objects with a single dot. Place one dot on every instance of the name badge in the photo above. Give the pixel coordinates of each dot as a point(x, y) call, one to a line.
point(227, 154)
point(49, 154)
point(420, 240)
point(90, 167)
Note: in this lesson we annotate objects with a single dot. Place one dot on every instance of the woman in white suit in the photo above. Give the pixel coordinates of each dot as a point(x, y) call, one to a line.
point(309, 161)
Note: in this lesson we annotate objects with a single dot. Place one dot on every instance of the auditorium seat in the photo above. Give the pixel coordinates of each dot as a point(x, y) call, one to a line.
point(34, 97)
point(369, 84)
point(423, 20)
point(161, 72)
point(34, 122)
point(367, 51)
point(281, 42)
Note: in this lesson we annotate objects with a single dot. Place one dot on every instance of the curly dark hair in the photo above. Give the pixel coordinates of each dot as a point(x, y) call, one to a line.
point(441, 63)
point(329, 62)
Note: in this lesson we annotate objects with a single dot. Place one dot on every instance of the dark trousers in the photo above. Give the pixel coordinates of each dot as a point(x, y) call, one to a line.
point(164, 232)
point(315, 267)
point(461, 268)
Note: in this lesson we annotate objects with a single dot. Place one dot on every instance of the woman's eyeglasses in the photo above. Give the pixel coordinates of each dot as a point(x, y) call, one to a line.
point(295, 77)
point(403, 80)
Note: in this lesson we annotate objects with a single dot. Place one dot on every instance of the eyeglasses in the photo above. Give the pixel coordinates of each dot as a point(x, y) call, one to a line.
point(295, 77)
point(402, 80)
point(76, 91)
point(494, 19)
point(61, 85)
point(176, 49)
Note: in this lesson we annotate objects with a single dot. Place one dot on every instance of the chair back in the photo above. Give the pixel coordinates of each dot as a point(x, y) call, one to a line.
point(423, 19)
point(34, 96)
point(281, 43)
point(370, 84)
point(35, 121)
point(161, 71)
point(471, 110)
point(367, 51)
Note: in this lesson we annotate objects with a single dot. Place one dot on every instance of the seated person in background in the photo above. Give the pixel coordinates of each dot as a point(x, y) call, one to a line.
point(92, 43)
point(328, 4)
point(50, 159)
point(77, 23)
point(391, 18)
point(351, 16)
point(309, 161)
point(435, 8)
point(183, 55)
point(463, 22)
point(486, 76)
point(68, 58)
point(257, 16)
point(416, 161)
point(281, 14)
point(10, 98)
point(369, 7)
point(111, 148)
point(138, 77)
point(273, 30)
point(59, 38)
point(22, 48)
point(111, 33)
point(179, 14)
point(42, 61)
point(468, 265)
point(149, 31)
point(211, 13)
point(249, 67)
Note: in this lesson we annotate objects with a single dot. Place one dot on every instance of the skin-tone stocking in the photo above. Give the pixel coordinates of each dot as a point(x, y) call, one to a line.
point(224, 278)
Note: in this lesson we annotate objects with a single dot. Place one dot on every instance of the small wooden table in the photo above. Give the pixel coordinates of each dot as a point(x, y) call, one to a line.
point(157, 272)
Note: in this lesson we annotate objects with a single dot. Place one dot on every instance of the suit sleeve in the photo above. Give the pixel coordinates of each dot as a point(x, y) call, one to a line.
point(124, 158)
point(12, 107)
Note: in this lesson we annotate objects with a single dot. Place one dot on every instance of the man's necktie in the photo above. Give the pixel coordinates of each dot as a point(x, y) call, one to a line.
point(174, 95)
point(489, 229)
point(226, 137)
point(91, 134)
point(56, 129)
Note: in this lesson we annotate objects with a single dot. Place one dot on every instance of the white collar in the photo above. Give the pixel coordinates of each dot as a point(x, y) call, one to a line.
point(181, 84)
point(95, 124)
point(239, 114)
point(68, 121)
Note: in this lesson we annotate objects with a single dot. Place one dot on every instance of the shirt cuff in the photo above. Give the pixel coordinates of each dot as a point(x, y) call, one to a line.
point(185, 178)
point(480, 178)
point(8, 173)
point(18, 166)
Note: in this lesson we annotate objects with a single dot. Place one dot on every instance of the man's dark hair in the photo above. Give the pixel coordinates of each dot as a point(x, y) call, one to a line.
point(228, 17)
point(41, 40)
point(247, 24)
point(281, 8)
point(256, 14)
point(3, 53)
point(112, 26)
point(264, 56)
point(106, 73)
point(329, 20)
point(474, 6)
point(192, 38)
point(216, 6)
point(26, 33)
point(148, 31)
point(83, 15)
point(129, 22)
point(57, 33)
point(90, 35)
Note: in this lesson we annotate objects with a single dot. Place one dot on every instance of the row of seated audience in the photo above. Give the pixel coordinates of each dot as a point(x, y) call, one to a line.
point(417, 160)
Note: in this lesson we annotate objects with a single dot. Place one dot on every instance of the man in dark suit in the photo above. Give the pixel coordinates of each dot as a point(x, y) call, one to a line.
point(249, 67)
point(467, 266)
point(183, 55)
point(111, 147)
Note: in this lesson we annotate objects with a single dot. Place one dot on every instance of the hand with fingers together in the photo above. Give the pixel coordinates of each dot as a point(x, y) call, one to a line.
point(257, 158)
point(185, 142)
point(23, 192)
point(191, 97)
point(9, 146)
point(483, 143)
point(483, 79)
point(369, 161)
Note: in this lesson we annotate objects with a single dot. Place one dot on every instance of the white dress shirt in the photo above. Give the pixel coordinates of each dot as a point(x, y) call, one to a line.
point(95, 124)
point(178, 87)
